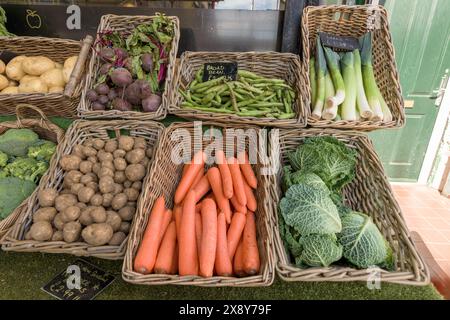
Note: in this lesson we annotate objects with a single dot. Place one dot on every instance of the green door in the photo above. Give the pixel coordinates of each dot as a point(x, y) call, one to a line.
point(421, 32)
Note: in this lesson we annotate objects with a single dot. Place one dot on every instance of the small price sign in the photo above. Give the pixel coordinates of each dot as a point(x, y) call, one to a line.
point(215, 70)
point(339, 42)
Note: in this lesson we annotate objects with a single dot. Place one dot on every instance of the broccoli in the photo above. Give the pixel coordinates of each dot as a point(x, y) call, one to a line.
point(3, 159)
point(42, 150)
point(15, 142)
point(27, 169)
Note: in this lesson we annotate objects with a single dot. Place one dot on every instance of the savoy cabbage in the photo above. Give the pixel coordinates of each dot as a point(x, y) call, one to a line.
point(319, 250)
point(302, 176)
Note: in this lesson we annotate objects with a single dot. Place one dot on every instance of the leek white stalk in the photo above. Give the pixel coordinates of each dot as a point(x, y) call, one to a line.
point(312, 79)
point(338, 83)
point(361, 101)
point(348, 108)
point(321, 69)
point(387, 115)
point(329, 113)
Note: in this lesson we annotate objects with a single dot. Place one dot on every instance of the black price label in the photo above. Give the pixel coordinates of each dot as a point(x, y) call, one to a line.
point(80, 281)
point(339, 42)
point(215, 70)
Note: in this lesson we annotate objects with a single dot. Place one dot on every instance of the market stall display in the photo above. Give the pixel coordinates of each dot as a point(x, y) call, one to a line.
point(241, 255)
point(26, 148)
point(131, 68)
point(87, 202)
point(357, 88)
point(269, 89)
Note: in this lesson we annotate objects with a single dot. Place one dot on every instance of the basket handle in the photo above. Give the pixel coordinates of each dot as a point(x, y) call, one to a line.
point(79, 66)
point(43, 118)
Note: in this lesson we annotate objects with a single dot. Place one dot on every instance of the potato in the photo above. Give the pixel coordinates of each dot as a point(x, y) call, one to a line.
point(3, 82)
point(107, 199)
point(120, 164)
point(111, 146)
point(127, 184)
point(64, 201)
point(126, 143)
point(135, 156)
point(2, 67)
point(58, 222)
point(93, 185)
point(58, 236)
point(89, 151)
point(55, 89)
point(140, 143)
point(38, 65)
point(41, 231)
point(127, 213)
point(85, 216)
point(119, 177)
point(58, 65)
point(78, 151)
point(149, 153)
point(13, 83)
point(10, 90)
point(135, 172)
point(104, 171)
point(125, 227)
point(145, 162)
point(118, 188)
point(98, 144)
point(53, 78)
point(119, 153)
point(85, 194)
point(33, 86)
point(89, 142)
point(106, 184)
point(71, 213)
point(102, 155)
point(81, 205)
point(28, 78)
point(137, 185)
point(14, 69)
point(71, 231)
point(131, 204)
point(71, 178)
point(108, 164)
point(93, 159)
point(131, 193)
point(28, 235)
point(119, 201)
point(117, 239)
point(96, 200)
point(113, 219)
point(88, 177)
point(45, 214)
point(96, 168)
point(97, 234)
point(69, 64)
point(86, 166)
point(65, 191)
point(47, 197)
point(98, 214)
point(70, 162)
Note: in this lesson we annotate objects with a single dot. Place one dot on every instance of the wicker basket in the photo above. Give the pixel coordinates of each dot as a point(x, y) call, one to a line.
point(46, 130)
point(285, 66)
point(356, 21)
point(52, 104)
point(369, 192)
point(127, 23)
point(78, 132)
point(163, 179)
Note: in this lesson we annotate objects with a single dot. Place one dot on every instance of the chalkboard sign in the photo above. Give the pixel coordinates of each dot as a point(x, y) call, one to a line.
point(339, 42)
point(80, 281)
point(215, 70)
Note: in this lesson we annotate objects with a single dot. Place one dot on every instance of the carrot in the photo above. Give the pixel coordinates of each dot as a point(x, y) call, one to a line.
point(237, 206)
point(209, 238)
point(187, 258)
point(191, 172)
point(223, 263)
point(238, 265)
point(247, 170)
point(216, 184)
point(250, 253)
point(198, 207)
point(165, 254)
point(251, 200)
point(198, 230)
point(146, 254)
point(235, 232)
point(166, 221)
point(202, 187)
point(185, 167)
point(177, 213)
point(174, 266)
point(198, 177)
point(227, 182)
point(238, 183)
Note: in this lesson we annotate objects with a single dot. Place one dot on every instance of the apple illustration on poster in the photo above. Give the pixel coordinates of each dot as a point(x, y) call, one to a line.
point(33, 19)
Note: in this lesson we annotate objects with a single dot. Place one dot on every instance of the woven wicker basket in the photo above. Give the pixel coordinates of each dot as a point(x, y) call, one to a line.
point(78, 132)
point(46, 130)
point(369, 192)
point(285, 66)
point(127, 23)
point(356, 21)
point(162, 180)
point(52, 104)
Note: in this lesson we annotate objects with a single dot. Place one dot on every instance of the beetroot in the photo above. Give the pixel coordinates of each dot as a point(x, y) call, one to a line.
point(133, 94)
point(121, 105)
point(103, 99)
point(151, 103)
point(104, 69)
point(102, 88)
point(112, 94)
point(107, 54)
point(144, 87)
point(122, 53)
point(98, 106)
point(91, 95)
point(147, 62)
point(121, 77)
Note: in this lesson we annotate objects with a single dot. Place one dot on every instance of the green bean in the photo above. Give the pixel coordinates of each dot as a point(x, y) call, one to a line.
point(216, 88)
point(208, 84)
point(198, 75)
point(248, 74)
point(193, 83)
point(238, 96)
point(286, 115)
point(250, 88)
point(245, 103)
point(213, 109)
point(269, 97)
point(267, 104)
point(208, 98)
point(243, 92)
point(252, 113)
point(233, 97)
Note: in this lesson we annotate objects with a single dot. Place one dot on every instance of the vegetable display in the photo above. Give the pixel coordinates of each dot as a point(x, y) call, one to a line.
point(133, 67)
point(24, 158)
point(207, 233)
point(343, 85)
point(317, 228)
point(101, 185)
point(251, 95)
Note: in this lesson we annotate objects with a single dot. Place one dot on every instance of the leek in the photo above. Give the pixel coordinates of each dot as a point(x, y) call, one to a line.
point(361, 100)
point(387, 115)
point(333, 65)
point(312, 79)
point(348, 111)
point(329, 113)
point(321, 69)
point(370, 84)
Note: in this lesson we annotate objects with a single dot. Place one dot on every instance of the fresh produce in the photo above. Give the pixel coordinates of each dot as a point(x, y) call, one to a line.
point(343, 85)
point(133, 67)
point(251, 95)
point(12, 192)
point(200, 240)
point(98, 199)
point(3, 31)
point(317, 228)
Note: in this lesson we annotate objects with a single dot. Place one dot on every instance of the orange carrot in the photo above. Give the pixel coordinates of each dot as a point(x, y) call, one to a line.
point(148, 250)
point(223, 263)
point(198, 231)
point(198, 177)
point(202, 187)
point(177, 213)
point(216, 184)
point(185, 167)
point(250, 253)
point(174, 266)
point(237, 206)
point(165, 254)
point(187, 180)
point(238, 183)
point(238, 265)
point(166, 220)
point(209, 238)
point(187, 258)
point(247, 170)
point(198, 207)
point(235, 232)
point(251, 200)
point(227, 182)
